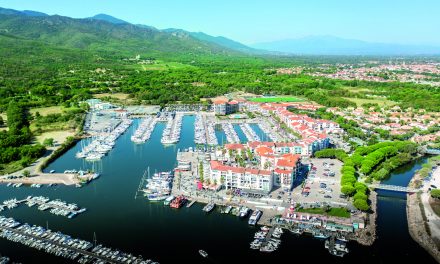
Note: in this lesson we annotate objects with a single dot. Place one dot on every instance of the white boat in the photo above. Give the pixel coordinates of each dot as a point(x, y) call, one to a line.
point(244, 211)
point(168, 200)
point(255, 217)
point(209, 207)
point(203, 253)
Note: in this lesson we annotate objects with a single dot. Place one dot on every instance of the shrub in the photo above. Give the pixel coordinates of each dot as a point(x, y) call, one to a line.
point(435, 193)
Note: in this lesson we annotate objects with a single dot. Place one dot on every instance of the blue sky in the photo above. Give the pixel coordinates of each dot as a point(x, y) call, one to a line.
point(250, 21)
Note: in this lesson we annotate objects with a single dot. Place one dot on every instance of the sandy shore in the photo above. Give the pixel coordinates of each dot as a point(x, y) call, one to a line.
point(50, 178)
point(418, 227)
point(45, 178)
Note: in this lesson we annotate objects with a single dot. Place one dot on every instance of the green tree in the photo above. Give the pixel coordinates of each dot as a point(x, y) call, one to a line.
point(26, 173)
point(435, 193)
point(48, 142)
point(201, 172)
point(348, 189)
point(361, 204)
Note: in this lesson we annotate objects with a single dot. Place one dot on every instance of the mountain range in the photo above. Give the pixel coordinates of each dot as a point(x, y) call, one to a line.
point(103, 32)
point(330, 45)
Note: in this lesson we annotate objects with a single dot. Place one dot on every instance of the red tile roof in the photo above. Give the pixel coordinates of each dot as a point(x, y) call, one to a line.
point(234, 146)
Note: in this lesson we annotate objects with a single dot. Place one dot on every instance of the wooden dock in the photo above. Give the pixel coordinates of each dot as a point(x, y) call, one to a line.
point(191, 203)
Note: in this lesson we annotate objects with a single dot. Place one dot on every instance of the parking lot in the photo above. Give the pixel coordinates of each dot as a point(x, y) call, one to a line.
point(322, 185)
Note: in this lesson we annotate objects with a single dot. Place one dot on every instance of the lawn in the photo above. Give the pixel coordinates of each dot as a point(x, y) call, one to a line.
point(10, 167)
point(119, 96)
point(379, 101)
point(161, 66)
point(47, 110)
point(276, 99)
point(59, 137)
point(334, 211)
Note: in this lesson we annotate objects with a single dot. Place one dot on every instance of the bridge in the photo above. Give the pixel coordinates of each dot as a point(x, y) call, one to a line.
point(432, 151)
point(395, 188)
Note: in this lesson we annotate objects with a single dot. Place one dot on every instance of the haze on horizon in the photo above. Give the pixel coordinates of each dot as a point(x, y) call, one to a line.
point(253, 21)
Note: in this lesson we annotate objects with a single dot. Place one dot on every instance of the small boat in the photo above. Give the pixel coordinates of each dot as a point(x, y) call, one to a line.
point(255, 217)
point(296, 231)
point(168, 200)
point(209, 207)
point(156, 197)
point(228, 209)
point(244, 211)
point(178, 202)
point(51, 171)
point(320, 235)
point(337, 253)
point(203, 253)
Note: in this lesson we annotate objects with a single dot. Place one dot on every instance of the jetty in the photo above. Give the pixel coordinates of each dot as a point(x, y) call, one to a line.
point(56, 207)
point(62, 245)
point(191, 203)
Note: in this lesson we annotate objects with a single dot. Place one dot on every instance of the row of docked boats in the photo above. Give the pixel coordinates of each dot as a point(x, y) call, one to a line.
point(267, 239)
point(143, 132)
point(249, 132)
point(199, 130)
point(62, 245)
point(15, 185)
point(4, 260)
point(265, 127)
point(336, 246)
point(231, 134)
point(171, 133)
point(240, 211)
point(57, 207)
point(101, 145)
point(159, 186)
point(10, 204)
point(204, 132)
point(212, 138)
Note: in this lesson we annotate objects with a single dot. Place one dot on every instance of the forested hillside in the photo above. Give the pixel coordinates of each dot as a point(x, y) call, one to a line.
point(53, 60)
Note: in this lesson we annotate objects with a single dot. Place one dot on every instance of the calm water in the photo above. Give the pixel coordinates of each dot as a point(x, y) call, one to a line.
point(260, 132)
point(171, 236)
point(241, 135)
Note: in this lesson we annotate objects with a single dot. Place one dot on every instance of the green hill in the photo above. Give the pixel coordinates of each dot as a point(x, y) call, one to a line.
point(121, 39)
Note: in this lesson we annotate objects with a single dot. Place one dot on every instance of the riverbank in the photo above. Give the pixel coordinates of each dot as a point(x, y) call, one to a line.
point(367, 236)
point(417, 222)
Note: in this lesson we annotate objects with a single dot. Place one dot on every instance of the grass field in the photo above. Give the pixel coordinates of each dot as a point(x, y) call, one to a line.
point(161, 66)
point(59, 137)
point(357, 89)
point(119, 96)
point(47, 110)
point(276, 99)
point(338, 212)
point(379, 101)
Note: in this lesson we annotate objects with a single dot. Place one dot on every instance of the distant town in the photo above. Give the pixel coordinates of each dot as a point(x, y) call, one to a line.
point(416, 72)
